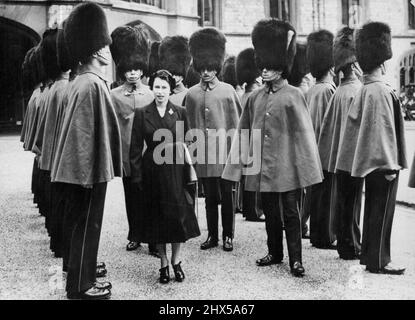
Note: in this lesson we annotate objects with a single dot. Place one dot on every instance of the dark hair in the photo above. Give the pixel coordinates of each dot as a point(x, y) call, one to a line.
point(163, 75)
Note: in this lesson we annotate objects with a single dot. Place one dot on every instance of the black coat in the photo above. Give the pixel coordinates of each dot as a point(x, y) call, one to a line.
point(167, 204)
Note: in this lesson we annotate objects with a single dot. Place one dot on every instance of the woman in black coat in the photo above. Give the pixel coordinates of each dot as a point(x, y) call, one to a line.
point(167, 205)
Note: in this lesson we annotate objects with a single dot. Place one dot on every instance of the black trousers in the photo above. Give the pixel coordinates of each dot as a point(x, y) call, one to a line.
point(86, 211)
point(35, 180)
point(273, 224)
point(347, 203)
point(252, 205)
point(218, 191)
point(132, 196)
point(57, 215)
point(305, 207)
point(322, 219)
point(380, 197)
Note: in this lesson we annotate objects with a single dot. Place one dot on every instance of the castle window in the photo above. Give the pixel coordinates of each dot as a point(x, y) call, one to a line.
point(280, 9)
point(411, 14)
point(155, 3)
point(209, 13)
point(351, 13)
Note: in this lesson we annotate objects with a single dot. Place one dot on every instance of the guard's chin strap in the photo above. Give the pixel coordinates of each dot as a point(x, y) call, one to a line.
point(290, 35)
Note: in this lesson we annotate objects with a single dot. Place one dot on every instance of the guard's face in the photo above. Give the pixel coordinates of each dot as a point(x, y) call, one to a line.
point(270, 75)
point(133, 76)
point(161, 90)
point(104, 56)
point(208, 75)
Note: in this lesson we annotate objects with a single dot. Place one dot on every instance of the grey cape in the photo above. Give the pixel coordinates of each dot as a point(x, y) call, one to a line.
point(89, 148)
point(289, 157)
point(374, 136)
point(334, 122)
point(125, 104)
point(318, 99)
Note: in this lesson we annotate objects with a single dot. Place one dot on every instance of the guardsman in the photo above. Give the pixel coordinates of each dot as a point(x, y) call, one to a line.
point(281, 142)
point(347, 190)
point(317, 202)
point(248, 77)
point(89, 148)
point(213, 108)
point(175, 57)
point(130, 51)
point(373, 146)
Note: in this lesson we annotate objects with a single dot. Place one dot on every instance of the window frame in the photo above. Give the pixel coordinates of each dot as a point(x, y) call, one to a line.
point(216, 14)
point(292, 7)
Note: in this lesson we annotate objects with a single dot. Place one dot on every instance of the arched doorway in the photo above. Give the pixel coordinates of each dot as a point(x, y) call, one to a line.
point(16, 40)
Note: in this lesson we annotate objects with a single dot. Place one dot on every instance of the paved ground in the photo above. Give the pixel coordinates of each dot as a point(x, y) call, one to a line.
point(406, 194)
point(29, 271)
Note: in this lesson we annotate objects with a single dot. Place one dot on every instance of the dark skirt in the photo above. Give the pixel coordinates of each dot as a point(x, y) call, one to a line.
point(166, 211)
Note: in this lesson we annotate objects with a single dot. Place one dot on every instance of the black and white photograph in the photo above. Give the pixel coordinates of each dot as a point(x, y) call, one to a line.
point(213, 154)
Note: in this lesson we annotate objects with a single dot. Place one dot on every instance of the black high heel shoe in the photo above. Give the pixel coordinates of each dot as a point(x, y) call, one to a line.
point(164, 275)
point(178, 272)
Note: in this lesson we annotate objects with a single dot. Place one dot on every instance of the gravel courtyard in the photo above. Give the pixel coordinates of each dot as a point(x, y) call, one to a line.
point(28, 269)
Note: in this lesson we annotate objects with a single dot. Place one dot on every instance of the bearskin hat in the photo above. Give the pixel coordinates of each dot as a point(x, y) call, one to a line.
point(192, 77)
point(320, 52)
point(300, 66)
point(130, 48)
point(373, 45)
point(65, 61)
point(48, 52)
point(38, 64)
point(274, 42)
point(28, 73)
point(86, 31)
point(344, 50)
point(246, 68)
point(174, 55)
point(228, 74)
point(154, 60)
point(207, 47)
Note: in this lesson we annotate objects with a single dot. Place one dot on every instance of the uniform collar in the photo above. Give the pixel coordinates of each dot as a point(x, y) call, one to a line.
point(209, 85)
point(369, 78)
point(88, 68)
point(129, 88)
point(271, 87)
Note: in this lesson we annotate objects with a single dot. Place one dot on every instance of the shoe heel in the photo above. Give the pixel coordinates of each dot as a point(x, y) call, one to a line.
point(178, 272)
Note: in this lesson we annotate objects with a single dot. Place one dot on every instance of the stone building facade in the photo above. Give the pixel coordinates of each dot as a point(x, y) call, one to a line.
point(22, 23)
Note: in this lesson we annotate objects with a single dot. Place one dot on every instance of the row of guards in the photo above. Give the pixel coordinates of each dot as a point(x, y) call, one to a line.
point(319, 142)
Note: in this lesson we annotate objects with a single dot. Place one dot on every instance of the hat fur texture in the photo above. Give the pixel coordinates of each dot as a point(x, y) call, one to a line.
point(320, 52)
point(344, 49)
point(154, 60)
point(130, 48)
point(86, 31)
point(175, 55)
point(192, 77)
point(275, 45)
point(207, 47)
point(29, 79)
point(300, 66)
point(49, 53)
point(65, 61)
point(246, 68)
point(373, 45)
point(229, 71)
